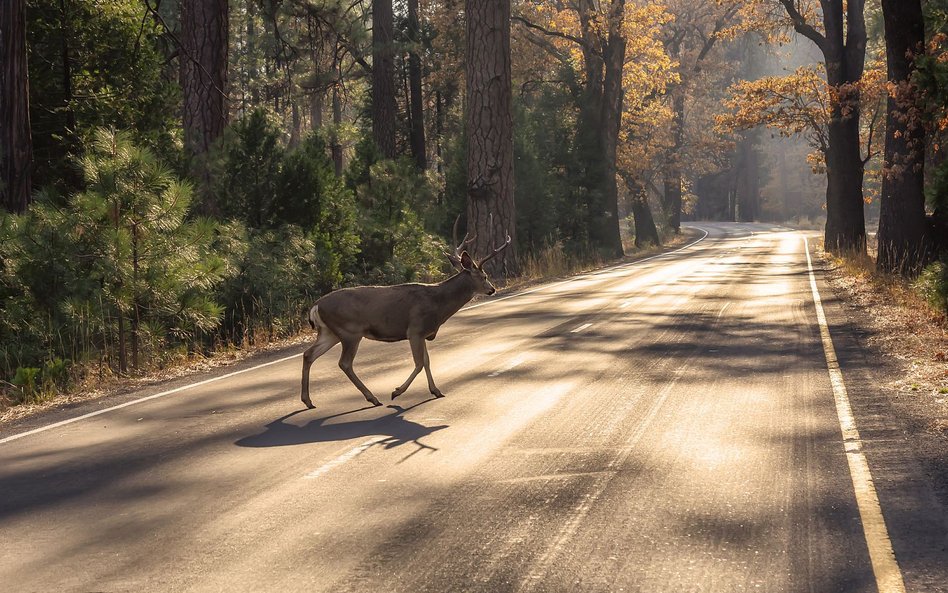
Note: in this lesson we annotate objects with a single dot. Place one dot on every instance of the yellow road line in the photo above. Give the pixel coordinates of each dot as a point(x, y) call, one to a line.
point(884, 565)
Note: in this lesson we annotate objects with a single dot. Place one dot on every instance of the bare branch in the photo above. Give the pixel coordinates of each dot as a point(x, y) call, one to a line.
point(548, 32)
point(801, 26)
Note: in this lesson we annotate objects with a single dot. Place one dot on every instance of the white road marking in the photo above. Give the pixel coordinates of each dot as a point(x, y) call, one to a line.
point(573, 279)
point(884, 565)
point(514, 363)
point(723, 309)
point(580, 328)
point(143, 399)
point(348, 455)
point(273, 362)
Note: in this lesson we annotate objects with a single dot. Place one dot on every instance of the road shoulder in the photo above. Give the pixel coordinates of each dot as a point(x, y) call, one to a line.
point(907, 455)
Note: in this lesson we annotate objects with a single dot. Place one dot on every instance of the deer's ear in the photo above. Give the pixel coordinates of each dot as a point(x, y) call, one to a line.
point(467, 262)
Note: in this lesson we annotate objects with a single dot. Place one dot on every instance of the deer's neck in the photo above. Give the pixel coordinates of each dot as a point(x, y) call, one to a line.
point(454, 293)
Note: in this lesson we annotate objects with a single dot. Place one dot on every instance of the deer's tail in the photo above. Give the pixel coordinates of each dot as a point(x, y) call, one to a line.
point(314, 317)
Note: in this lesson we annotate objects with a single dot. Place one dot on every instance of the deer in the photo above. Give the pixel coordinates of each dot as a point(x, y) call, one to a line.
point(413, 312)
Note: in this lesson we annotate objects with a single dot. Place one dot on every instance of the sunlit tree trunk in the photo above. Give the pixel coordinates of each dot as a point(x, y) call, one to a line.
point(904, 244)
point(204, 38)
point(490, 180)
point(383, 78)
point(16, 144)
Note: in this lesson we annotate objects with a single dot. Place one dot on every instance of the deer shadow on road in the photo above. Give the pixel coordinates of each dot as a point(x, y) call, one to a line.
point(392, 430)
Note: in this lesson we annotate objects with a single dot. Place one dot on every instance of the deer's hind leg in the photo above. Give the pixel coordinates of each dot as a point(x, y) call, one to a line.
point(324, 341)
point(349, 348)
point(419, 352)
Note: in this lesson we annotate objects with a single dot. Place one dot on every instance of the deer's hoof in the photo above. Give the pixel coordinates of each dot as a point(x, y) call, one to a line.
point(437, 394)
point(396, 393)
point(309, 404)
point(374, 401)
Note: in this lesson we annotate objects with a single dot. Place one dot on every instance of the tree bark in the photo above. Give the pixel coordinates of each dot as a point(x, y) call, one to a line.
point(490, 179)
point(671, 174)
point(383, 78)
point(16, 143)
point(748, 178)
point(904, 244)
point(204, 40)
point(417, 110)
point(645, 231)
point(844, 57)
point(843, 44)
point(613, 62)
point(599, 121)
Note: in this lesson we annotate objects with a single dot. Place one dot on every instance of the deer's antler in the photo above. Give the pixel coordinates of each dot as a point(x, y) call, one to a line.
point(456, 256)
point(498, 249)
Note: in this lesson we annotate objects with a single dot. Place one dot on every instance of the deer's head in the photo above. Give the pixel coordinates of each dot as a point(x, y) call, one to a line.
point(465, 264)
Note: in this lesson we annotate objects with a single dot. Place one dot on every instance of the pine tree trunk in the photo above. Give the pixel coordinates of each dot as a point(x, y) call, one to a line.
point(16, 143)
point(204, 39)
point(417, 111)
point(316, 110)
point(490, 180)
point(335, 146)
point(904, 245)
point(383, 78)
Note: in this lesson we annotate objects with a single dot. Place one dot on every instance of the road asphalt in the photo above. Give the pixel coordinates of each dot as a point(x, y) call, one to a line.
point(667, 425)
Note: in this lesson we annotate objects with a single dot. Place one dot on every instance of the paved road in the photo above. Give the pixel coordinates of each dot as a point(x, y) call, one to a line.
point(663, 426)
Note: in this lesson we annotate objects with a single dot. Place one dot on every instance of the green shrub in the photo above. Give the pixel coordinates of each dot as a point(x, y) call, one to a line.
point(932, 284)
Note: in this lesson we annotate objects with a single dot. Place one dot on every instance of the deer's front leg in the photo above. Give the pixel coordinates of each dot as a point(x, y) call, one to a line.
point(419, 354)
point(427, 364)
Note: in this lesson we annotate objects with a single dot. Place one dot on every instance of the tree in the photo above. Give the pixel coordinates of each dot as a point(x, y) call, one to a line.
point(689, 40)
point(203, 71)
point(16, 145)
point(903, 238)
point(842, 42)
point(416, 107)
point(383, 78)
point(490, 182)
point(594, 32)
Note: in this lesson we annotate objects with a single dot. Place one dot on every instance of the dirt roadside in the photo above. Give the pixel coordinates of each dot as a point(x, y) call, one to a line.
point(910, 342)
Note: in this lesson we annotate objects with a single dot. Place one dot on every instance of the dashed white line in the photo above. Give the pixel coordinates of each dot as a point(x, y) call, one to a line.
point(514, 363)
point(884, 565)
point(580, 328)
point(348, 455)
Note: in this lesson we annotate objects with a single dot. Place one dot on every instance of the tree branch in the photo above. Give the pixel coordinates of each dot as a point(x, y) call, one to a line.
point(548, 32)
point(801, 26)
